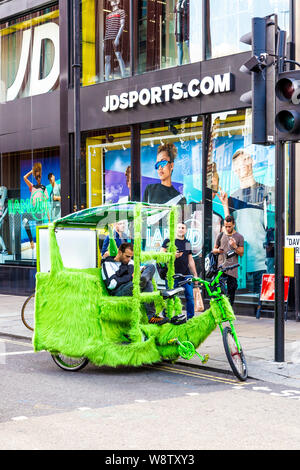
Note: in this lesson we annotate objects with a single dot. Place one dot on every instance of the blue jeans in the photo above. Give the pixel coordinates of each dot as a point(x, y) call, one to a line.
point(270, 265)
point(189, 297)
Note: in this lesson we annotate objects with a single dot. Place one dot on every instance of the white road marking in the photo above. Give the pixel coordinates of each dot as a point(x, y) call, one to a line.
point(19, 418)
point(192, 394)
point(16, 353)
point(29, 345)
point(262, 389)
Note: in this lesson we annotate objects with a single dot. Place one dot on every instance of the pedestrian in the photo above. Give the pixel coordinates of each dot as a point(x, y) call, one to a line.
point(229, 241)
point(117, 273)
point(184, 264)
point(119, 236)
point(55, 198)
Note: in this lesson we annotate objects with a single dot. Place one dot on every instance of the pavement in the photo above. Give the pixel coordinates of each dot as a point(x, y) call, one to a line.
point(256, 337)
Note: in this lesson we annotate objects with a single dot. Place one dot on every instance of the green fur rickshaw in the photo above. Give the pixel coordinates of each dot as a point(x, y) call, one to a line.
point(77, 321)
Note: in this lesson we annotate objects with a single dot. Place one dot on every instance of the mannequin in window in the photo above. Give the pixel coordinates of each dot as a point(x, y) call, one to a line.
point(114, 25)
point(182, 31)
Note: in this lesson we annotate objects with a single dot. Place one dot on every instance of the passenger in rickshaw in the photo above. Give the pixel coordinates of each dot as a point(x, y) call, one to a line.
point(119, 236)
point(117, 273)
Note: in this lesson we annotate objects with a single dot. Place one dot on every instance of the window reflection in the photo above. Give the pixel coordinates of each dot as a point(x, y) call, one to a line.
point(30, 196)
point(169, 33)
point(242, 179)
point(228, 20)
point(29, 54)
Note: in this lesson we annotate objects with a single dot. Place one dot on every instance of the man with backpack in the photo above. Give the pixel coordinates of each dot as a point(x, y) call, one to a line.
point(229, 241)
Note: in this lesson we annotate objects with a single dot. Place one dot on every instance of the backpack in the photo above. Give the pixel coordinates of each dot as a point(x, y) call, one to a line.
point(211, 260)
point(211, 264)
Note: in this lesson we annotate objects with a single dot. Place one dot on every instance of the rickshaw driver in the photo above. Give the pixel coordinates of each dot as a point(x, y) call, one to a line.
point(117, 274)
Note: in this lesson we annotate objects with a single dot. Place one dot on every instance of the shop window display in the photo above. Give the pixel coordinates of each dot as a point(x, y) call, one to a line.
point(30, 196)
point(169, 34)
point(241, 177)
point(105, 40)
point(29, 54)
point(228, 20)
point(106, 174)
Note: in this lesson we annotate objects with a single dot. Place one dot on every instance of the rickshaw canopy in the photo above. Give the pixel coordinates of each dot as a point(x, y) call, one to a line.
point(102, 216)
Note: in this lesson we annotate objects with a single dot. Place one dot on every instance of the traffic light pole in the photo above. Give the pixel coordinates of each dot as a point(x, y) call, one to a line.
point(279, 251)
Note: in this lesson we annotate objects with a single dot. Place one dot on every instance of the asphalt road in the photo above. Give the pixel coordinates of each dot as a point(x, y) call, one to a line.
point(158, 407)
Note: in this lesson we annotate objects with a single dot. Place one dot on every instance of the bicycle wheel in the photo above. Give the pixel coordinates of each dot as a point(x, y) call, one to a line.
point(235, 358)
point(27, 312)
point(69, 363)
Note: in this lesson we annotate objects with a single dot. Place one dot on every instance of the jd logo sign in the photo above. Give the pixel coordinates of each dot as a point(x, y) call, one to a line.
point(37, 85)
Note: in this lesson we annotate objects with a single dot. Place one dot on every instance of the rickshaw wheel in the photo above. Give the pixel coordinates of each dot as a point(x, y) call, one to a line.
point(68, 363)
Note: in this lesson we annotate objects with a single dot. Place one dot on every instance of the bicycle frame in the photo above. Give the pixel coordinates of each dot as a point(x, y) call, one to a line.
point(217, 295)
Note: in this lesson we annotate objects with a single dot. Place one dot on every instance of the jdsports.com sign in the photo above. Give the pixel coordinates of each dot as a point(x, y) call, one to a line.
point(170, 92)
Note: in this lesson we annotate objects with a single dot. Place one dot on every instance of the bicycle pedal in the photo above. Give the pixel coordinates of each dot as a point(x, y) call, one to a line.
point(173, 341)
point(205, 358)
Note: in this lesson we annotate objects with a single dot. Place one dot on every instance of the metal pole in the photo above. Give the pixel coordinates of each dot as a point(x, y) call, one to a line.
point(297, 293)
point(132, 42)
point(279, 251)
point(76, 76)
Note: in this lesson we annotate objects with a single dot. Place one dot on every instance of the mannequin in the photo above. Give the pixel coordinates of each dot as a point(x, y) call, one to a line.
point(115, 22)
point(3, 212)
point(182, 28)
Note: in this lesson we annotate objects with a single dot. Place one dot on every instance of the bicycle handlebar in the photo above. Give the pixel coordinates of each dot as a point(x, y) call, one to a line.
point(208, 284)
point(233, 266)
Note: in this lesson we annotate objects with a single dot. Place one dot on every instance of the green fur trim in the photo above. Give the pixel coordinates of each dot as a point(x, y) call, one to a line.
point(159, 256)
point(219, 308)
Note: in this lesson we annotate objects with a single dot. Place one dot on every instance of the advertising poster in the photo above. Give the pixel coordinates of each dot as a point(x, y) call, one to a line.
point(40, 204)
point(186, 176)
point(245, 178)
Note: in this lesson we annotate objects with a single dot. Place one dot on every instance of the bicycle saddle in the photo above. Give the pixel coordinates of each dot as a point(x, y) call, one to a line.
point(168, 294)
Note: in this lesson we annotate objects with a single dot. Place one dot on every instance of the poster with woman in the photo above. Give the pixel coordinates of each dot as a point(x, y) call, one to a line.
point(35, 203)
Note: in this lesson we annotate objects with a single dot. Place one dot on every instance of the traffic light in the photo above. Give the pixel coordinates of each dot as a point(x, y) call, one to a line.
point(263, 38)
point(287, 118)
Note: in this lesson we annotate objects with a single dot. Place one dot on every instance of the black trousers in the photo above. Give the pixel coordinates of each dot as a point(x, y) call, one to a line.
point(229, 286)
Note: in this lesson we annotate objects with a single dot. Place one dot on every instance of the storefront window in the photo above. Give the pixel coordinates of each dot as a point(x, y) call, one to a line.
point(29, 54)
point(30, 195)
point(169, 34)
point(228, 20)
point(105, 167)
point(105, 40)
point(171, 167)
point(241, 177)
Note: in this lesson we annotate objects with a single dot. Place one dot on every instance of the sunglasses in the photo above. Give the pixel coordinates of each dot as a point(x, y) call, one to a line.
point(161, 164)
